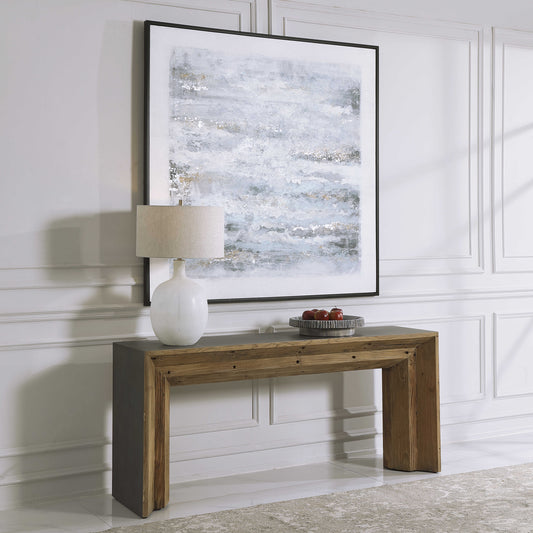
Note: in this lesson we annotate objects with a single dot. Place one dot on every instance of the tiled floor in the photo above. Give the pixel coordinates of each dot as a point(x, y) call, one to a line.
point(98, 513)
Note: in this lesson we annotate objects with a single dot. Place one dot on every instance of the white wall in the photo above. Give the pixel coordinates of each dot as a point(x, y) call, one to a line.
point(456, 127)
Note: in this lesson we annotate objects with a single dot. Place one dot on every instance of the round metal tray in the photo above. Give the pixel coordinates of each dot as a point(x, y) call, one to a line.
point(328, 328)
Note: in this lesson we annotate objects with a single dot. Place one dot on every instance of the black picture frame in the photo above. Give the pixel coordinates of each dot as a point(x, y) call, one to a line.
point(216, 125)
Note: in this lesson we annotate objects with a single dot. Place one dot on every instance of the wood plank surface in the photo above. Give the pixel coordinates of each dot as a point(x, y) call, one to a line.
point(221, 341)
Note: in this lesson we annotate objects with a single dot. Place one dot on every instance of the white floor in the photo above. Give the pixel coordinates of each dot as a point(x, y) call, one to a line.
point(98, 513)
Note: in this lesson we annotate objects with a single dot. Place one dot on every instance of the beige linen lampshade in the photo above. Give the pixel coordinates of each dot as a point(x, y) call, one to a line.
point(180, 231)
point(179, 306)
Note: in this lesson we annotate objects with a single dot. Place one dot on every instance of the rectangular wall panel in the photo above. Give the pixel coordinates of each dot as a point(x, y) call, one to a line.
point(430, 131)
point(324, 396)
point(461, 356)
point(216, 407)
point(513, 361)
point(462, 359)
point(513, 136)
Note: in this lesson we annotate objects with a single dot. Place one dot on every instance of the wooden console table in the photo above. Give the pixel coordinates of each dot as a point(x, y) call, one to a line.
point(143, 371)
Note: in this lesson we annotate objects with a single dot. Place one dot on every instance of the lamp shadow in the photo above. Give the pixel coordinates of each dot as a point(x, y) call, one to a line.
point(355, 411)
point(63, 418)
point(64, 410)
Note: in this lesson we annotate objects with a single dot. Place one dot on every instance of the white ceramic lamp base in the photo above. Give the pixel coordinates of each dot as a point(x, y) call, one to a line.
point(179, 309)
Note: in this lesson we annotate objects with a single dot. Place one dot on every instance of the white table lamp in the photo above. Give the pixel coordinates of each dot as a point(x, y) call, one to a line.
point(179, 305)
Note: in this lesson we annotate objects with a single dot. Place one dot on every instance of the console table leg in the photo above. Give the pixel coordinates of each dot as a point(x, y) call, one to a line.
point(399, 416)
point(411, 411)
point(133, 430)
point(428, 406)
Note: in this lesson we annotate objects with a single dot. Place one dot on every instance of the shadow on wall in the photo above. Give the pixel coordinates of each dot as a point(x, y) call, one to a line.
point(357, 428)
point(64, 410)
point(338, 408)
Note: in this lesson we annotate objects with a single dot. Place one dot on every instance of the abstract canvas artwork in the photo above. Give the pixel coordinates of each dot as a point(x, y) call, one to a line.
point(280, 132)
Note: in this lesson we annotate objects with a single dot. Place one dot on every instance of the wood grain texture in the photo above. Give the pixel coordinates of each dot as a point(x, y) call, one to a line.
point(145, 370)
point(399, 416)
point(162, 446)
point(427, 401)
point(149, 437)
point(212, 369)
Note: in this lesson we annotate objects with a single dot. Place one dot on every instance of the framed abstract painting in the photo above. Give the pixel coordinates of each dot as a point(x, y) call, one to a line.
point(283, 134)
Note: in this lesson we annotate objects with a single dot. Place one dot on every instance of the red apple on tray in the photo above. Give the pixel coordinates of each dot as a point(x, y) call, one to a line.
point(336, 314)
point(322, 315)
point(309, 314)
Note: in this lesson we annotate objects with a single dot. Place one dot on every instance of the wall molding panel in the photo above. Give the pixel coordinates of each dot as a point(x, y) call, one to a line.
point(513, 135)
point(465, 44)
point(70, 330)
point(462, 344)
point(41, 290)
point(245, 15)
point(45, 277)
point(513, 345)
point(246, 404)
